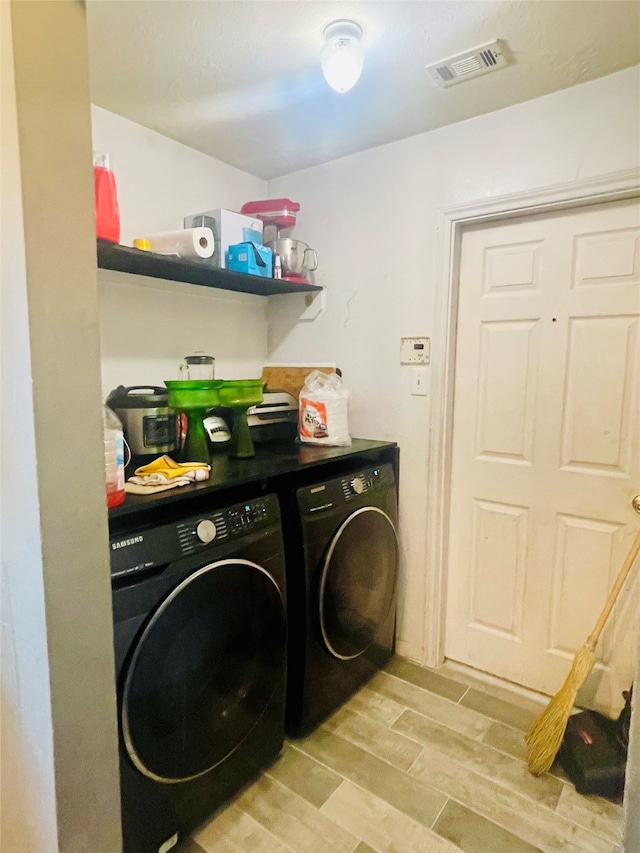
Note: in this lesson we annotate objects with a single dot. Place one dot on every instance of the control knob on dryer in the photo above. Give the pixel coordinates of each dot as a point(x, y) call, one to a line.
point(206, 531)
point(357, 485)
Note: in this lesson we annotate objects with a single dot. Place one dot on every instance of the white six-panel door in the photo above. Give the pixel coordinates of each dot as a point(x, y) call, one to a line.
point(545, 453)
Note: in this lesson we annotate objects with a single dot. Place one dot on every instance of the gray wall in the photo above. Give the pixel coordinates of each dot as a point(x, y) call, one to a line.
point(28, 785)
point(59, 714)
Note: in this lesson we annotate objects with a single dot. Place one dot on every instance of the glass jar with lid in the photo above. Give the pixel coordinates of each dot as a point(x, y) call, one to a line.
point(198, 366)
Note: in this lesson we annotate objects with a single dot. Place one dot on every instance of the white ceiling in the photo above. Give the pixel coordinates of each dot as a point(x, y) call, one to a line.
point(240, 79)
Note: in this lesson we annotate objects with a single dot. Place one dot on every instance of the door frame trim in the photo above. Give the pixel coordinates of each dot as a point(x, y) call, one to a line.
point(452, 221)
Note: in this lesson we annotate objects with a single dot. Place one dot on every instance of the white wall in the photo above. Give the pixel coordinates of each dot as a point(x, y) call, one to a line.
point(372, 218)
point(147, 327)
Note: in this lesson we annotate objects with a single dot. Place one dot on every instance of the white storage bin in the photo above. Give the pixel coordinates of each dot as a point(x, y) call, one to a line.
point(230, 228)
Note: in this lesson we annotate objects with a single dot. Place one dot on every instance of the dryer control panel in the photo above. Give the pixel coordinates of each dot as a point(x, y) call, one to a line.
point(144, 549)
point(364, 481)
point(337, 492)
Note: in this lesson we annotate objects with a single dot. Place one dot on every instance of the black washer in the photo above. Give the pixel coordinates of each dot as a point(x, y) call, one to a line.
point(200, 641)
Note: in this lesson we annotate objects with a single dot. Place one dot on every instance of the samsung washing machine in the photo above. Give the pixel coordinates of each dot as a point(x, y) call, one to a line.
point(342, 565)
point(200, 643)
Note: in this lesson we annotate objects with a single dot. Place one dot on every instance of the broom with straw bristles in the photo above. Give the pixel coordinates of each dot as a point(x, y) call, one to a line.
point(545, 736)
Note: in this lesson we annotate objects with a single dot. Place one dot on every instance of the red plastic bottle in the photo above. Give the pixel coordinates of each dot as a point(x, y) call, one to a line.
point(107, 210)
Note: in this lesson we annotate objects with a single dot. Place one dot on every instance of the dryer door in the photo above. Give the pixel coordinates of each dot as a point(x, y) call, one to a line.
point(203, 670)
point(358, 582)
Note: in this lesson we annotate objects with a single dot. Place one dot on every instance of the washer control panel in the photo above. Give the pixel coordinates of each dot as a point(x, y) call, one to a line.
point(160, 545)
point(232, 521)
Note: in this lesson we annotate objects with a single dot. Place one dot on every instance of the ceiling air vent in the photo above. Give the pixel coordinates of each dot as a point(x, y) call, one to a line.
point(471, 63)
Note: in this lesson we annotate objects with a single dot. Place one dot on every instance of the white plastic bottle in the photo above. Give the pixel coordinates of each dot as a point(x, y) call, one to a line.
point(113, 457)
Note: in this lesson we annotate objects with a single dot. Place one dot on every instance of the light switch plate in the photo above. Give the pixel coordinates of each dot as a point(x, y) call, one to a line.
point(415, 350)
point(419, 382)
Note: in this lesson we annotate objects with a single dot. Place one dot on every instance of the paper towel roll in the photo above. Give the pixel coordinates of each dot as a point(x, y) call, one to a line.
point(186, 243)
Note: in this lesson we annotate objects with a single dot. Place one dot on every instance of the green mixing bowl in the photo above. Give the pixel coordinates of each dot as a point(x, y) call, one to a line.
point(239, 393)
point(193, 393)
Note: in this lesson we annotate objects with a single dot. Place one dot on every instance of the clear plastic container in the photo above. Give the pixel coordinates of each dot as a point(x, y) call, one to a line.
point(113, 457)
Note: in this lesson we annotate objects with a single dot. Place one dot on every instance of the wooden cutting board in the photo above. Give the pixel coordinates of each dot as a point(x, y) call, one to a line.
point(290, 377)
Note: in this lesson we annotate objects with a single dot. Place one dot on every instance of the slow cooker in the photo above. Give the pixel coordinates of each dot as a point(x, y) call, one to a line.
point(149, 424)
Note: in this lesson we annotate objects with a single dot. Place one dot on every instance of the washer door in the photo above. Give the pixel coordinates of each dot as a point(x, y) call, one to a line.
point(358, 582)
point(203, 670)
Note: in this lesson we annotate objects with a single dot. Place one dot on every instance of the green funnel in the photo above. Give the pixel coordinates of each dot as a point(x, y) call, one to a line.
point(194, 397)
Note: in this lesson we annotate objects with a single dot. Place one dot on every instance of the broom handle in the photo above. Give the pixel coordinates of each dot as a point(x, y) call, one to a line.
point(592, 639)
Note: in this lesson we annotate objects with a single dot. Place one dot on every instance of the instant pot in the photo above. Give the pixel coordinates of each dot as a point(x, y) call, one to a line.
point(149, 424)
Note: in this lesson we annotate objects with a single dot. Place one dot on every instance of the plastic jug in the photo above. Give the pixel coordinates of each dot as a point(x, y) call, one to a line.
point(113, 457)
point(107, 210)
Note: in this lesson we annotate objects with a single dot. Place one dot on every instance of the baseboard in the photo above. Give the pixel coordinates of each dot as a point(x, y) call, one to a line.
point(493, 681)
point(410, 651)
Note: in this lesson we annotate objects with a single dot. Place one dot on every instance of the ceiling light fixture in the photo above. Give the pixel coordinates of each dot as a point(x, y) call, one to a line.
point(342, 56)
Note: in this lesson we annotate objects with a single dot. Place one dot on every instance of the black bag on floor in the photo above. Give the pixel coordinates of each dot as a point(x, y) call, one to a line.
point(593, 753)
point(623, 723)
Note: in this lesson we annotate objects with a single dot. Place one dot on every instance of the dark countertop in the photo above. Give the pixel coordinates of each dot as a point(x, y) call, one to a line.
point(241, 479)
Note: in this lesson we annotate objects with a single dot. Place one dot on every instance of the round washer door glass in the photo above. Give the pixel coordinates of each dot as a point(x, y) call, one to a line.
point(204, 670)
point(358, 581)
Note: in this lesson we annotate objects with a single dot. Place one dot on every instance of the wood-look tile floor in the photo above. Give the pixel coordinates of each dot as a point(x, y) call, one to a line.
point(418, 760)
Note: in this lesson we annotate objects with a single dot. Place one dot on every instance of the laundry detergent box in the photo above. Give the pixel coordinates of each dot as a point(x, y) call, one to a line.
point(229, 228)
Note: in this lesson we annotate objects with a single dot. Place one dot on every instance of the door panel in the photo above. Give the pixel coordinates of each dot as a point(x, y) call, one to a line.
point(584, 549)
point(508, 355)
point(545, 445)
point(498, 564)
point(598, 437)
point(358, 582)
point(203, 670)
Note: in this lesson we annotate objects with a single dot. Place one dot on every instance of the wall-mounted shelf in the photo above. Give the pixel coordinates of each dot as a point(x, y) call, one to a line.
point(112, 256)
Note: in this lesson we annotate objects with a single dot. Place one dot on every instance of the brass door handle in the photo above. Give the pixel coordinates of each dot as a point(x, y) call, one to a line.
point(635, 503)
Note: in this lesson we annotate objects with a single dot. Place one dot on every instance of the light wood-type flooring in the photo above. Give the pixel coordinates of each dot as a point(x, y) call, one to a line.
point(418, 760)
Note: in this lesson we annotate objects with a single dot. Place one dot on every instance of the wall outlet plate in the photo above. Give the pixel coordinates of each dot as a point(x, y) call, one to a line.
point(415, 350)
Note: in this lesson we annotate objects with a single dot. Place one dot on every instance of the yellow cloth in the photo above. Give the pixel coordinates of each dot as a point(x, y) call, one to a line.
point(133, 488)
point(165, 466)
point(163, 473)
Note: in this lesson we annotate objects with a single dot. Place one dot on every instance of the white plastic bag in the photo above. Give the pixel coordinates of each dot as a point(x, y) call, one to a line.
point(323, 410)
